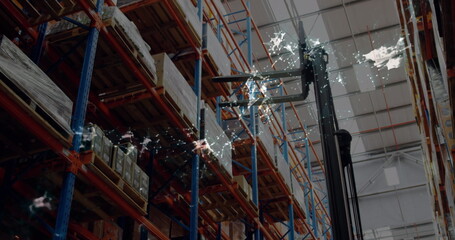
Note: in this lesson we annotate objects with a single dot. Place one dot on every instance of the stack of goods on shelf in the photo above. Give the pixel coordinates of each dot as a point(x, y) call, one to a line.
point(121, 158)
point(234, 229)
point(61, 33)
point(152, 17)
point(94, 139)
point(29, 87)
point(283, 167)
point(219, 144)
point(297, 191)
point(216, 54)
point(244, 186)
point(37, 12)
point(266, 138)
point(175, 89)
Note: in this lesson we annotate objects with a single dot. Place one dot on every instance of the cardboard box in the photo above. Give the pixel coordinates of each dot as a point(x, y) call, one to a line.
point(92, 139)
point(107, 150)
point(220, 147)
point(244, 186)
point(144, 188)
point(137, 174)
point(118, 158)
point(128, 170)
point(176, 88)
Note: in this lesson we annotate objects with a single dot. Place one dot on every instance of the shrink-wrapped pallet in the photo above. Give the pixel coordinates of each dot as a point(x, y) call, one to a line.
point(215, 52)
point(266, 138)
point(283, 169)
point(20, 76)
point(219, 144)
point(189, 11)
point(298, 193)
point(176, 89)
point(120, 26)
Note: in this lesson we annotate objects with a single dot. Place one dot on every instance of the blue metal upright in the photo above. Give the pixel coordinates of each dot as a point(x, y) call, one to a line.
point(77, 124)
point(194, 215)
point(286, 158)
point(37, 50)
point(253, 123)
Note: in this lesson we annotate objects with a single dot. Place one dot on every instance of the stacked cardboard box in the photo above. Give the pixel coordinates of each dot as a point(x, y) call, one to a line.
point(283, 168)
point(217, 141)
point(266, 138)
point(215, 51)
point(93, 138)
point(175, 87)
point(244, 186)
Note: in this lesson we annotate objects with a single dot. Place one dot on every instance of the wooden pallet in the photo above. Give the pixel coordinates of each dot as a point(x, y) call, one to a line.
point(115, 181)
point(39, 11)
point(34, 111)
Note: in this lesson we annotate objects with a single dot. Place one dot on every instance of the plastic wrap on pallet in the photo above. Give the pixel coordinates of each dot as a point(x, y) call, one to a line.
point(190, 12)
point(129, 150)
point(25, 75)
point(219, 144)
point(265, 136)
point(112, 16)
point(283, 169)
point(298, 192)
point(216, 51)
point(176, 86)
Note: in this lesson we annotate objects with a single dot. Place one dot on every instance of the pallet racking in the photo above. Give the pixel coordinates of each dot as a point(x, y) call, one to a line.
point(428, 36)
point(197, 65)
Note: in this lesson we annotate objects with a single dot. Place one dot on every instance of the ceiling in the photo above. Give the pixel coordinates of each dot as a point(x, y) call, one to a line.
point(372, 103)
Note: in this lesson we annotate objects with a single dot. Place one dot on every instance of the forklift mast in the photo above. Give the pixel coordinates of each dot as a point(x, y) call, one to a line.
point(340, 181)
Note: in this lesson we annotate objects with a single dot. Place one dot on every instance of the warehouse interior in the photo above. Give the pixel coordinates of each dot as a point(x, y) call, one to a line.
point(224, 119)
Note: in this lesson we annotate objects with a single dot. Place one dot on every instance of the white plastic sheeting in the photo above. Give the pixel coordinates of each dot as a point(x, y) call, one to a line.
point(219, 144)
point(25, 75)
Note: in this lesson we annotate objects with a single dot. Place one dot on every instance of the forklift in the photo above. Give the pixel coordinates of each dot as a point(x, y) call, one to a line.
point(336, 143)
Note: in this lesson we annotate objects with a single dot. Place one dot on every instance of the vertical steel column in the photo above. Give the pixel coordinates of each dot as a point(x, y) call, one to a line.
point(286, 158)
point(253, 125)
point(77, 124)
point(310, 177)
point(194, 215)
point(38, 48)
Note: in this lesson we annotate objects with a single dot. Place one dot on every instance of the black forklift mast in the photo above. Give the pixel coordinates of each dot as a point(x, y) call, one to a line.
point(341, 190)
